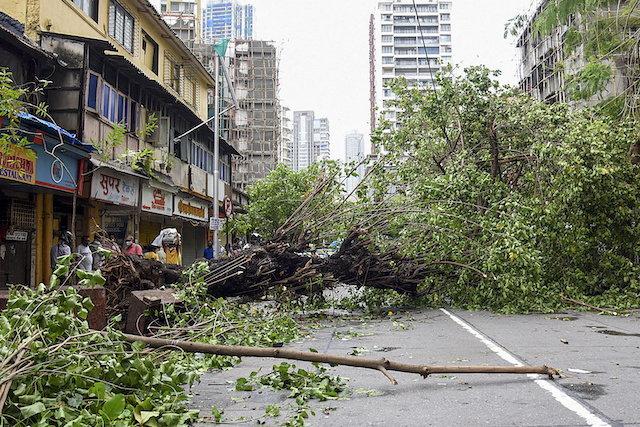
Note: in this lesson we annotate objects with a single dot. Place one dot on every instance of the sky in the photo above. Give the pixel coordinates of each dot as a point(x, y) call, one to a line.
point(324, 53)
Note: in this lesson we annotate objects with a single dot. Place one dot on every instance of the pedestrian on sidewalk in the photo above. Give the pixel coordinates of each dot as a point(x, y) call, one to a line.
point(131, 247)
point(62, 248)
point(85, 257)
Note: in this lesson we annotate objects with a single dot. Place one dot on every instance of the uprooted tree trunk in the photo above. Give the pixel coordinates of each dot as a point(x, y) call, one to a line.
point(381, 365)
point(356, 263)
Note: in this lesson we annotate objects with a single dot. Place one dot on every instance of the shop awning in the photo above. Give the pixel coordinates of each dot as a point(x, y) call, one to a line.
point(119, 167)
point(54, 129)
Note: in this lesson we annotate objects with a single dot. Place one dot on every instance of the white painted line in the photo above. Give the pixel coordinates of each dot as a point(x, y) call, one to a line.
point(558, 394)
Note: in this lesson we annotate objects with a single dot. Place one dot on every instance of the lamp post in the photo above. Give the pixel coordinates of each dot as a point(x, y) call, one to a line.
point(216, 155)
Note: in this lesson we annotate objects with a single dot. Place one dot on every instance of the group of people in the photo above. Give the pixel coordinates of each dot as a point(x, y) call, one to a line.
point(230, 250)
point(90, 255)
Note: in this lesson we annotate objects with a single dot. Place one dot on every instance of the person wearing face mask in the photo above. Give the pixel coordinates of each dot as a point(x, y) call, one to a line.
point(132, 248)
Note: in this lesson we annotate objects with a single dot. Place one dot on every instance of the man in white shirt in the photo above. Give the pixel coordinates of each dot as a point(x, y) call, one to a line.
point(85, 257)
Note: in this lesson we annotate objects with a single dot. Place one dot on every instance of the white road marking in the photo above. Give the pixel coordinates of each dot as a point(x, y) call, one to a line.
point(558, 394)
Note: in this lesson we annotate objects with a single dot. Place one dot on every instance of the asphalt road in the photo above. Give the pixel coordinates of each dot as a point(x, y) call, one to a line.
point(599, 356)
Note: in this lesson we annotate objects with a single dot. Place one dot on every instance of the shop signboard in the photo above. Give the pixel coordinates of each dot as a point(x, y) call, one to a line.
point(156, 200)
point(192, 208)
point(57, 172)
point(18, 164)
point(114, 187)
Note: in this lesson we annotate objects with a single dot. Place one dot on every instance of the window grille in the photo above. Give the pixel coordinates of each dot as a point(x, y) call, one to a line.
point(23, 216)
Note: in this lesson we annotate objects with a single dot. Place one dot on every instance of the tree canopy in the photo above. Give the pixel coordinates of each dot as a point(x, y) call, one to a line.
point(540, 199)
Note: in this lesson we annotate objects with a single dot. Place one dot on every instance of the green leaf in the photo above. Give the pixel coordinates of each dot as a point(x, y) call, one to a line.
point(114, 406)
point(31, 410)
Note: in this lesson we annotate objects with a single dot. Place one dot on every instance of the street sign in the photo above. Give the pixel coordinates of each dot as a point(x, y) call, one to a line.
point(228, 207)
point(216, 224)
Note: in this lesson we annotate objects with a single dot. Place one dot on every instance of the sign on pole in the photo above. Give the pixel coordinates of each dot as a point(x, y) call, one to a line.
point(216, 224)
point(228, 206)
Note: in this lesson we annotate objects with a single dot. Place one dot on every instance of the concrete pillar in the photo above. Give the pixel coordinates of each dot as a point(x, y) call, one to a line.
point(40, 249)
point(47, 235)
point(92, 222)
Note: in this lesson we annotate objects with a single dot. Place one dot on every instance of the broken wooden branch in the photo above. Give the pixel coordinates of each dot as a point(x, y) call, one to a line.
point(382, 365)
point(575, 301)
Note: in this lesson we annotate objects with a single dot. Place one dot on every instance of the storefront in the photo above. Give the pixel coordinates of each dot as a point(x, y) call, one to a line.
point(37, 183)
point(156, 210)
point(195, 215)
point(120, 194)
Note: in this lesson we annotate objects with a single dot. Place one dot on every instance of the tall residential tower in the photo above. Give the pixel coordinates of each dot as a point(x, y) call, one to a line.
point(310, 140)
point(410, 39)
point(226, 19)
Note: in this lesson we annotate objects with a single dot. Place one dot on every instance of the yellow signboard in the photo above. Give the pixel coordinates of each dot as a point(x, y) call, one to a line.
point(18, 164)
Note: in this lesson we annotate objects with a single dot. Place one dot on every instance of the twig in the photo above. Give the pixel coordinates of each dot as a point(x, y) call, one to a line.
point(575, 301)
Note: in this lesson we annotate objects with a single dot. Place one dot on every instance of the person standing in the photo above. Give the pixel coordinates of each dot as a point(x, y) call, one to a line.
point(132, 248)
point(62, 248)
point(152, 253)
point(96, 251)
point(85, 257)
point(113, 245)
point(173, 254)
point(208, 251)
point(162, 255)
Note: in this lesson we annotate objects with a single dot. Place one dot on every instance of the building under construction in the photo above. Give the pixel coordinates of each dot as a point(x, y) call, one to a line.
point(254, 128)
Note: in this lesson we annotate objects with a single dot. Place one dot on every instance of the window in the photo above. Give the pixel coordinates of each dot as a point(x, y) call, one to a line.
point(121, 25)
point(387, 49)
point(446, 49)
point(444, 6)
point(387, 60)
point(171, 71)
point(445, 27)
point(150, 52)
point(387, 39)
point(90, 7)
point(92, 92)
point(445, 38)
point(387, 28)
point(445, 17)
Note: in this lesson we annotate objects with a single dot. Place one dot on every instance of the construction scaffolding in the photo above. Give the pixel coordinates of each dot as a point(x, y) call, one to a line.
point(254, 129)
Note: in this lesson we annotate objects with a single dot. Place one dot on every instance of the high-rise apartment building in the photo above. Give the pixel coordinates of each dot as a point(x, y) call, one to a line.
point(411, 40)
point(285, 148)
point(321, 144)
point(310, 140)
point(354, 152)
point(226, 20)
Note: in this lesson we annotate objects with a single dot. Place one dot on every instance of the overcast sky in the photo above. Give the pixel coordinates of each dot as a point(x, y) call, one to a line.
point(324, 52)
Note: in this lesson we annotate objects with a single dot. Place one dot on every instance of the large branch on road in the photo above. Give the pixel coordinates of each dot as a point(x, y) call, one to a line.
point(381, 365)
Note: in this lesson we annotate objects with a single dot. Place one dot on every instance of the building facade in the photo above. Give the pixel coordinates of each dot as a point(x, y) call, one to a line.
point(184, 18)
point(116, 68)
point(226, 19)
point(254, 128)
point(546, 70)
point(411, 40)
point(354, 154)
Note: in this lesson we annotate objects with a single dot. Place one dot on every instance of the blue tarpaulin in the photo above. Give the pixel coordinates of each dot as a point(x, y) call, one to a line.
point(52, 128)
